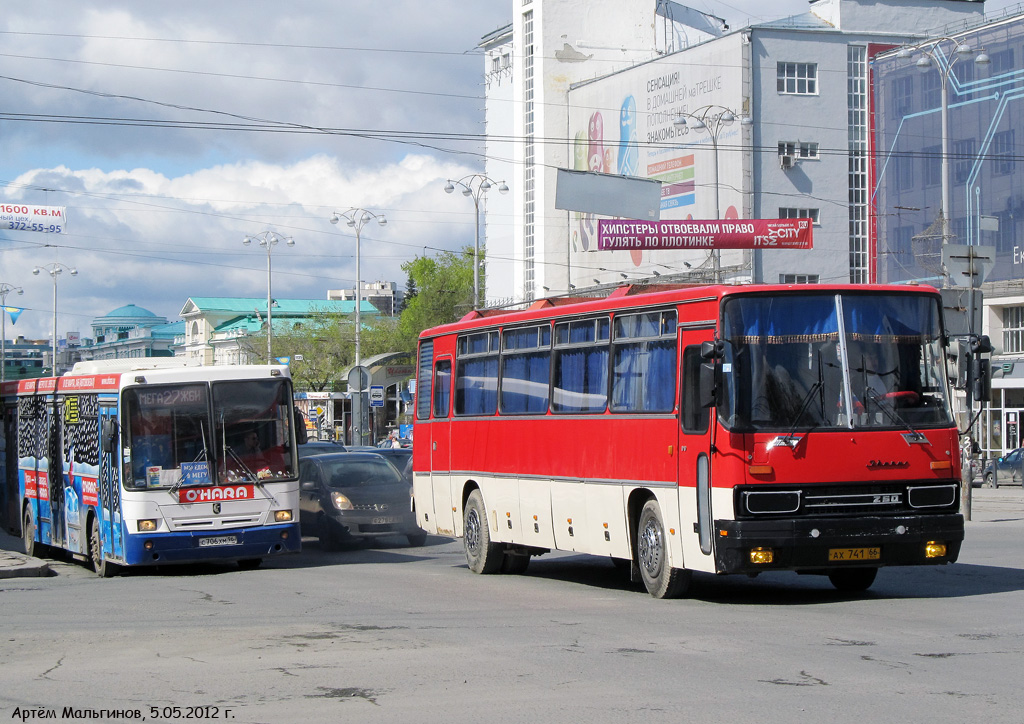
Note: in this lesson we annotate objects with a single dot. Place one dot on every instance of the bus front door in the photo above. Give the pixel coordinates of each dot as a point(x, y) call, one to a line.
point(695, 512)
point(440, 447)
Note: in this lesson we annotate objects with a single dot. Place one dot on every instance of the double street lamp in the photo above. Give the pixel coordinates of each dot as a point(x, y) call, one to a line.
point(5, 289)
point(357, 218)
point(931, 56)
point(475, 185)
point(55, 270)
point(712, 119)
point(268, 240)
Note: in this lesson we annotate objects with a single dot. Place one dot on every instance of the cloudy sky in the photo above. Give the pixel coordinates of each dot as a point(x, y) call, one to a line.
point(170, 131)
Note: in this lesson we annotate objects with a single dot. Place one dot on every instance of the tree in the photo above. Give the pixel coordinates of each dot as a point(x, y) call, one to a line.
point(445, 293)
point(410, 292)
point(324, 340)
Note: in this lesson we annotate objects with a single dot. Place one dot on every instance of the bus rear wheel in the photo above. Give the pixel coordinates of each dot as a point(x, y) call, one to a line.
point(482, 555)
point(853, 580)
point(660, 579)
point(103, 567)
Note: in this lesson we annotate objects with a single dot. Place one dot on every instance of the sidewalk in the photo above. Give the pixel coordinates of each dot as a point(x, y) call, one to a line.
point(14, 563)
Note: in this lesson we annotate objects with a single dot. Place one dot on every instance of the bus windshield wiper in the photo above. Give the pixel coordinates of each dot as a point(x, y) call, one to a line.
point(915, 436)
point(789, 439)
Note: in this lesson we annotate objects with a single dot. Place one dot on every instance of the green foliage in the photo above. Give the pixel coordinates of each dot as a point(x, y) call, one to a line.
point(445, 293)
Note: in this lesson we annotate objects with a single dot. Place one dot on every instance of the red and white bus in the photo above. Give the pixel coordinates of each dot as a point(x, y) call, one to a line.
point(724, 429)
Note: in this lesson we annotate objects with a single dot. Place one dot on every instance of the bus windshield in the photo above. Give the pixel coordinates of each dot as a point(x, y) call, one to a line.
point(797, 362)
point(198, 434)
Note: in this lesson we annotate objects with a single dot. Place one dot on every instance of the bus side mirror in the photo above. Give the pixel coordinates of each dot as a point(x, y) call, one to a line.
point(712, 349)
point(708, 392)
point(301, 436)
point(981, 379)
point(109, 433)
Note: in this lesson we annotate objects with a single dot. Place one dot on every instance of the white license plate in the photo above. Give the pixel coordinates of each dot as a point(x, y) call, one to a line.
point(221, 540)
point(385, 520)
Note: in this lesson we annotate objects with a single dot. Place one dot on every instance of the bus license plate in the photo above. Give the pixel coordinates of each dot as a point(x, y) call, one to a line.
point(221, 540)
point(853, 554)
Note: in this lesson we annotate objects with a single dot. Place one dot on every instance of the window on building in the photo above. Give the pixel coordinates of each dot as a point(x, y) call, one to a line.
point(1002, 62)
point(964, 73)
point(931, 91)
point(798, 78)
point(1013, 330)
point(798, 278)
point(903, 170)
point(932, 159)
point(963, 159)
point(799, 149)
point(1002, 152)
point(902, 96)
point(793, 213)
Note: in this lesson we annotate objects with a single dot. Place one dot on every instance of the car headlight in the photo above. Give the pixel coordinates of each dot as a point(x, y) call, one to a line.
point(341, 501)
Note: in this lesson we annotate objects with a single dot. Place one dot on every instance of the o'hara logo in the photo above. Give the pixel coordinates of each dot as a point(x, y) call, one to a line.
point(211, 494)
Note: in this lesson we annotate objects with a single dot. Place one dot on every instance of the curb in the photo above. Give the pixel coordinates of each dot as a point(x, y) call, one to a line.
point(19, 565)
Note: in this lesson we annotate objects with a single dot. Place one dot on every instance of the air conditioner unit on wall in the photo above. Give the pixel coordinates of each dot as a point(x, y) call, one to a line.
point(787, 162)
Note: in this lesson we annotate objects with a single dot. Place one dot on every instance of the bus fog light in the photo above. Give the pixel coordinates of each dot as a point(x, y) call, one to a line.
point(282, 516)
point(760, 556)
point(148, 545)
point(934, 549)
point(146, 526)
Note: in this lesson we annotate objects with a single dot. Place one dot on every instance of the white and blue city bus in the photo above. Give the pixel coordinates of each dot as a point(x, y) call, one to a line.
point(151, 462)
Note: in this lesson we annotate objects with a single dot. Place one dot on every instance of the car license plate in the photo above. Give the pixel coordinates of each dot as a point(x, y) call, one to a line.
point(384, 520)
point(220, 540)
point(853, 554)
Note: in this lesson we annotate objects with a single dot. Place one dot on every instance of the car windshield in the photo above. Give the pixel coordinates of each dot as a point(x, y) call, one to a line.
point(360, 472)
point(833, 361)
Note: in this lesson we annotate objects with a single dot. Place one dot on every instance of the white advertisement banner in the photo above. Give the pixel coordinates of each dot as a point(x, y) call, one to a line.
point(25, 217)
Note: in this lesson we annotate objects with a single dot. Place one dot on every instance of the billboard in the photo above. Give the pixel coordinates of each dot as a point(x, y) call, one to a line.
point(709, 234)
point(625, 124)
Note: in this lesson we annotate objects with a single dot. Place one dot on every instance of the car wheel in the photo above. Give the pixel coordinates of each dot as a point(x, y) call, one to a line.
point(660, 579)
point(326, 533)
point(853, 580)
point(417, 540)
point(481, 555)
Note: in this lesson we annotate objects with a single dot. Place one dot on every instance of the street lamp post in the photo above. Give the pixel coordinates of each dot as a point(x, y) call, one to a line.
point(5, 289)
point(475, 185)
point(357, 218)
point(268, 239)
point(931, 57)
point(54, 270)
point(713, 119)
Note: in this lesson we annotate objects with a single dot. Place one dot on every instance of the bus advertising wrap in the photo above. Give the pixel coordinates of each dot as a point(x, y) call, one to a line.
point(705, 234)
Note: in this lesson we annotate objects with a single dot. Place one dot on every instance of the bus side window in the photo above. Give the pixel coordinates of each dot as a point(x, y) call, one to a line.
point(695, 418)
point(442, 387)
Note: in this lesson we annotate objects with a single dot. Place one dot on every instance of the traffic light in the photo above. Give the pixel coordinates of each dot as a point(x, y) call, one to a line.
point(981, 379)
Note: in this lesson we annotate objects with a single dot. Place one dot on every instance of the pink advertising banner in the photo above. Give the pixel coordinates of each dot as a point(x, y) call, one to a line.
point(696, 234)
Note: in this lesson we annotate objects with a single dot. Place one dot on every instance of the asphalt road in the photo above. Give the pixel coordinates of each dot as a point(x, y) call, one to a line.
point(397, 634)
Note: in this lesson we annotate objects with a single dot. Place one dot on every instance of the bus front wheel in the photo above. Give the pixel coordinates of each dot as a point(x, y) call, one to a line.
point(28, 535)
point(660, 579)
point(482, 555)
point(103, 567)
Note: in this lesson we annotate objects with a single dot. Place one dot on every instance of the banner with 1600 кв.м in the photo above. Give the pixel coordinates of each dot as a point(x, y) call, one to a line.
point(25, 217)
point(705, 234)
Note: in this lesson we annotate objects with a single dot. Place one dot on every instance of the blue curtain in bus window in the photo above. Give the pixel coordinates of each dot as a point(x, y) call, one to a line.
point(476, 386)
point(644, 377)
point(581, 380)
point(524, 383)
point(797, 317)
point(891, 318)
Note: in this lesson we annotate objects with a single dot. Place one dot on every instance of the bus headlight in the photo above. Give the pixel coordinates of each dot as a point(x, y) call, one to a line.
point(147, 526)
point(341, 502)
point(282, 516)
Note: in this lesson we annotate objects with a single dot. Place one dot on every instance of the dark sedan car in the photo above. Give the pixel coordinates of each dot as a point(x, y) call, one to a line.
point(319, 447)
point(1005, 470)
point(351, 495)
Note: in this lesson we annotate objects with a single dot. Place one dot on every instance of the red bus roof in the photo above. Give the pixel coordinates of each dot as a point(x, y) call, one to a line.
point(629, 296)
